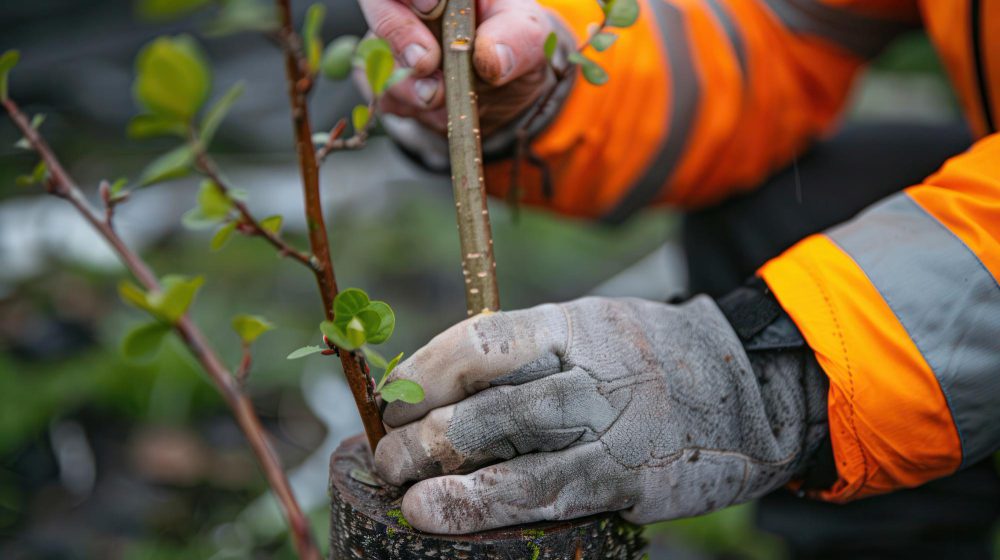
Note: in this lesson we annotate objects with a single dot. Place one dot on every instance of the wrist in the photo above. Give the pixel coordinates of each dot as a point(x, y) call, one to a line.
point(775, 346)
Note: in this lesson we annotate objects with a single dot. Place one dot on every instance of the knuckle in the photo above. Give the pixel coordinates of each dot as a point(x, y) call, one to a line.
point(393, 27)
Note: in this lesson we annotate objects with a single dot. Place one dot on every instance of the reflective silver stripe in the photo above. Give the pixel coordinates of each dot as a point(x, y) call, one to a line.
point(947, 301)
point(686, 96)
point(862, 35)
point(729, 26)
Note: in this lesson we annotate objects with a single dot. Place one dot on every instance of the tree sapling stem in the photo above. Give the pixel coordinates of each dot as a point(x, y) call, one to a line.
point(299, 83)
point(464, 142)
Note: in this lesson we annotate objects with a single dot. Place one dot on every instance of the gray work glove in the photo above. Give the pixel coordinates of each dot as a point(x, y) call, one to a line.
point(599, 404)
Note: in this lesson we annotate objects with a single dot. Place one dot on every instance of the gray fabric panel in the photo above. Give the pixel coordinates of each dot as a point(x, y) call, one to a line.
point(862, 35)
point(684, 107)
point(947, 301)
point(729, 26)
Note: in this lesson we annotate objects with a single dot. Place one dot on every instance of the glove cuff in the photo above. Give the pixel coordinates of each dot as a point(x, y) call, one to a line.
point(765, 330)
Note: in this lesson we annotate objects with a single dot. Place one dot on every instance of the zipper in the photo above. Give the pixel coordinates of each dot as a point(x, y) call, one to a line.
point(976, 13)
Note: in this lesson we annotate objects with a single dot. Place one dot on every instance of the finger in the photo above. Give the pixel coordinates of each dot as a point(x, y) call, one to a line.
point(576, 482)
point(467, 357)
point(501, 105)
point(510, 40)
point(423, 93)
point(410, 39)
point(436, 120)
point(499, 423)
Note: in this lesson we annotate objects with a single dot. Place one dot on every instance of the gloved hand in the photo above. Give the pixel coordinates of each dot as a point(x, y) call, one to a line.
point(507, 55)
point(599, 404)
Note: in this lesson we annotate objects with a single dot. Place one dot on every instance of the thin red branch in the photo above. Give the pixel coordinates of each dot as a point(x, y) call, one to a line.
point(207, 166)
point(63, 186)
point(243, 371)
point(298, 79)
point(336, 144)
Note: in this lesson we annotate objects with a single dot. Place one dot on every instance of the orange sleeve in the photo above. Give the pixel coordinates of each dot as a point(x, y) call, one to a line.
point(902, 308)
point(705, 98)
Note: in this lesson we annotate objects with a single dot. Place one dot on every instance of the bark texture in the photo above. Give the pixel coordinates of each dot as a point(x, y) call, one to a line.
point(478, 265)
point(366, 523)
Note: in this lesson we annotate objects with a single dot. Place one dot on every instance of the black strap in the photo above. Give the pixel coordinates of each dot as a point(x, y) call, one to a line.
point(763, 326)
point(750, 308)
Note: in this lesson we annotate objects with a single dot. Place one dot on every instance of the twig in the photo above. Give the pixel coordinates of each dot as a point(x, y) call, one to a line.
point(243, 371)
point(110, 202)
point(464, 142)
point(206, 165)
point(521, 150)
point(335, 143)
point(63, 186)
point(296, 73)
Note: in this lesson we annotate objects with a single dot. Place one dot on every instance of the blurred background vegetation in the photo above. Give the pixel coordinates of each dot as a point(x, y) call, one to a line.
point(103, 458)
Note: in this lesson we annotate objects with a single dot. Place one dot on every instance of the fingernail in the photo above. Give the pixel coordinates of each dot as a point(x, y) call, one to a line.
point(426, 88)
point(425, 6)
point(506, 56)
point(413, 53)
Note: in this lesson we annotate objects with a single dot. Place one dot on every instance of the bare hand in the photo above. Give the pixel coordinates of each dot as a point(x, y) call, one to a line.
point(508, 57)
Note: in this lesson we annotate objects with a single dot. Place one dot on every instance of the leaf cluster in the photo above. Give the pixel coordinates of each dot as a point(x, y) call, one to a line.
point(617, 13)
point(165, 306)
point(359, 323)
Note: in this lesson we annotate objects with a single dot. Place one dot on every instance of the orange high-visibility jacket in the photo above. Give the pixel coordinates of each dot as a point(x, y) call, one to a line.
point(901, 304)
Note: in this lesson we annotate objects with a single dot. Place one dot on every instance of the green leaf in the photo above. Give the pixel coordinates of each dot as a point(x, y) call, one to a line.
point(398, 75)
point(163, 10)
point(222, 236)
point(388, 369)
point(592, 72)
point(194, 219)
point(244, 15)
point(393, 363)
point(148, 126)
point(212, 201)
point(370, 321)
point(172, 165)
point(311, 36)
point(216, 114)
point(603, 40)
point(621, 13)
point(347, 304)
point(172, 78)
point(250, 327)
point(367, 46)
point(8, 60)
point(175, 296)
point(355, 332)
point(36, 121)
point(144, 341)
point(37, 176)
point(134, 296)
point(374, 358)
point(336, 63)
point(118, 185)
point(336, 335)
point(304, 351)
point(359, 117)
point(386, 322)
point(272, 223)
point(213, 207)
point(551, 42)
point(378, 68)
point(403, 390)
